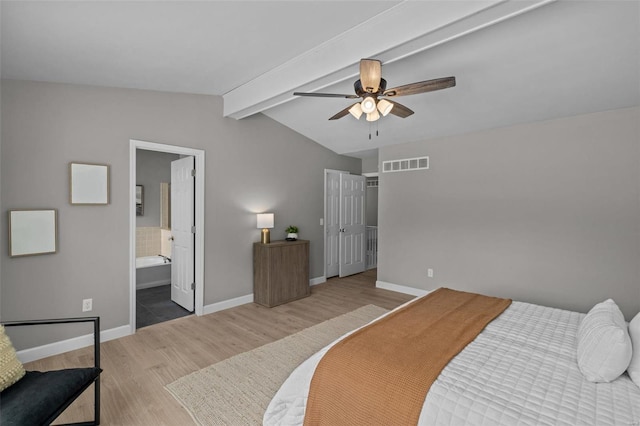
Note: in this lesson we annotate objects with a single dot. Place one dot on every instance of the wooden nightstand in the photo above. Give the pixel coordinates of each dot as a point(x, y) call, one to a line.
point(280, 272)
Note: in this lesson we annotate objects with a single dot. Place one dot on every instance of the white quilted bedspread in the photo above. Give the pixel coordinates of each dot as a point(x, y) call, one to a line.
point(521, 370)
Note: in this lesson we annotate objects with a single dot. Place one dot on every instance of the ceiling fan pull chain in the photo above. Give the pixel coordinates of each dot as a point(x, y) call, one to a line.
point(369, 130)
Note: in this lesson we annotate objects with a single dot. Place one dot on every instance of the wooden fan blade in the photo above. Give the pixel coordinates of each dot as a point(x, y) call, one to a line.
point(326, 95)
point(421, 87)
point(370, 74)
point(342, 113)
point(400, 110)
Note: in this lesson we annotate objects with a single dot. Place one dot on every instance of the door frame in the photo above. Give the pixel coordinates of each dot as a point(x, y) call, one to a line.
point(199, 156)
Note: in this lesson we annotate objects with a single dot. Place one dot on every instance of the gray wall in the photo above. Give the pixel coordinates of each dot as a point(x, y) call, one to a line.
point(545, 212)
point(152, 168)
point(252, 165)
point(372, 205)
point(370, 164)
point(3, 232)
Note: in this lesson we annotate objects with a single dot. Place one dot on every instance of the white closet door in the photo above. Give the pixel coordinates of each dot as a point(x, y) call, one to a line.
point(332, 223)
point(352, 224)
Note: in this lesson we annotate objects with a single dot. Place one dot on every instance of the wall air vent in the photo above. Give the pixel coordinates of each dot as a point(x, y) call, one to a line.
point(405, 165)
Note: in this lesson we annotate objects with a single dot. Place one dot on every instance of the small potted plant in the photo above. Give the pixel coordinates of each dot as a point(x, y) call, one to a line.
point(292, 233)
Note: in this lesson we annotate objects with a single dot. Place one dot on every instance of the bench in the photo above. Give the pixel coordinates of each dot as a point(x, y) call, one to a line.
point(40, 397)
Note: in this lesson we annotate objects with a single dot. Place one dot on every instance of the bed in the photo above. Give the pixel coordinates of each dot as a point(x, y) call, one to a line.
point(520, 369)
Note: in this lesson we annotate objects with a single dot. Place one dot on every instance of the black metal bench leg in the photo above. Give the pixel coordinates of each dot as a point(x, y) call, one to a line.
point(96, 404)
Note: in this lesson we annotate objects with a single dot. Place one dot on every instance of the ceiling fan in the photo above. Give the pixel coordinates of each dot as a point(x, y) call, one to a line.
point(372, 88)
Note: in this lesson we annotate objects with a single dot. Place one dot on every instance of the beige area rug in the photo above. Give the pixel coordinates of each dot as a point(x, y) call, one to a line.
point(238, 390)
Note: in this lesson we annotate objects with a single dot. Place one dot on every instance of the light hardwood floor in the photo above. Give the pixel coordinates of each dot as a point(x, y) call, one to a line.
point(136, 368)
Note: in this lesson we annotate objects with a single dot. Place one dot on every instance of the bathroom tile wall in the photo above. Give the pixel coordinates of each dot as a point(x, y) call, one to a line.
point(152, 241)
point(165, 242)
point(148, 241)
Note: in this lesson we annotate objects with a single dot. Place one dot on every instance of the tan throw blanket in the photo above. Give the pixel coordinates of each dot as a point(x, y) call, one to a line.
point(380, 375)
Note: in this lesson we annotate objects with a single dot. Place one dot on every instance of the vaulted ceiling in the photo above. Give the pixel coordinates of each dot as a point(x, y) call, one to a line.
point(515, 61)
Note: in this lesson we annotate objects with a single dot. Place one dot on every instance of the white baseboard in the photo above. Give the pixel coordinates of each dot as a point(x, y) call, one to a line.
point(226, 304)
point(401, 288)
point(39, 352)
point(318, 280)
point(152, 284)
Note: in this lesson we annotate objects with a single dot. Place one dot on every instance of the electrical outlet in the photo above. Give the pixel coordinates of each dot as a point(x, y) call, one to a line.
point(430, 273)
point(87, 305)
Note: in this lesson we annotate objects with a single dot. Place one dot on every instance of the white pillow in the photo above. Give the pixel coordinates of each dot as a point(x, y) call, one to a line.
point(604, 345)
point(634, 366)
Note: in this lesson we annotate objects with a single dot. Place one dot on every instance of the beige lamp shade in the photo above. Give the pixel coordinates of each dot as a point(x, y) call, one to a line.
point(265, 220)
point(373, 116)
point(384, 106)
point(356, 111)
point(368, 105)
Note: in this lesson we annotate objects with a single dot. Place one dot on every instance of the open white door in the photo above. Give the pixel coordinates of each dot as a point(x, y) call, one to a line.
point(352, 224)
point(182, 221)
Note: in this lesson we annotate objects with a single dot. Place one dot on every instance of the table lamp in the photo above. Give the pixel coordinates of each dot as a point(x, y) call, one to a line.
point(265, 221)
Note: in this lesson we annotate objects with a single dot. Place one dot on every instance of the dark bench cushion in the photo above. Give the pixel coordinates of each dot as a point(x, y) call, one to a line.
point(35, 398)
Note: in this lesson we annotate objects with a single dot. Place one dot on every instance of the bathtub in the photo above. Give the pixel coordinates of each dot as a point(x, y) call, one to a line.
point(152, 271)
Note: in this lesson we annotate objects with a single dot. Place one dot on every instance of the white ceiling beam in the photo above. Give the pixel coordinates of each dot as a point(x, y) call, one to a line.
point(402, 30)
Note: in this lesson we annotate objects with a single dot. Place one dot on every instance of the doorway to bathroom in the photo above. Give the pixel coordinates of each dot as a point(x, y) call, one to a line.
point(155, 237)
point(167, 211)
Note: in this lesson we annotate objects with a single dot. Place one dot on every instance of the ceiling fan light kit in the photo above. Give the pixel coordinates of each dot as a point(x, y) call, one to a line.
point(368, 105)
point(373, 116)
point(356, 110)
point(385, 107)
point(371, 86)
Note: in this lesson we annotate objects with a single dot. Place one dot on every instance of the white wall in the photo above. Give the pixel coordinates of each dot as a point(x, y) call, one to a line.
point(546, 212)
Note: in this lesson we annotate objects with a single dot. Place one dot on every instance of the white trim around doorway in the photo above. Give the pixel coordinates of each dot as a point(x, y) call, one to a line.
point(198, 154)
